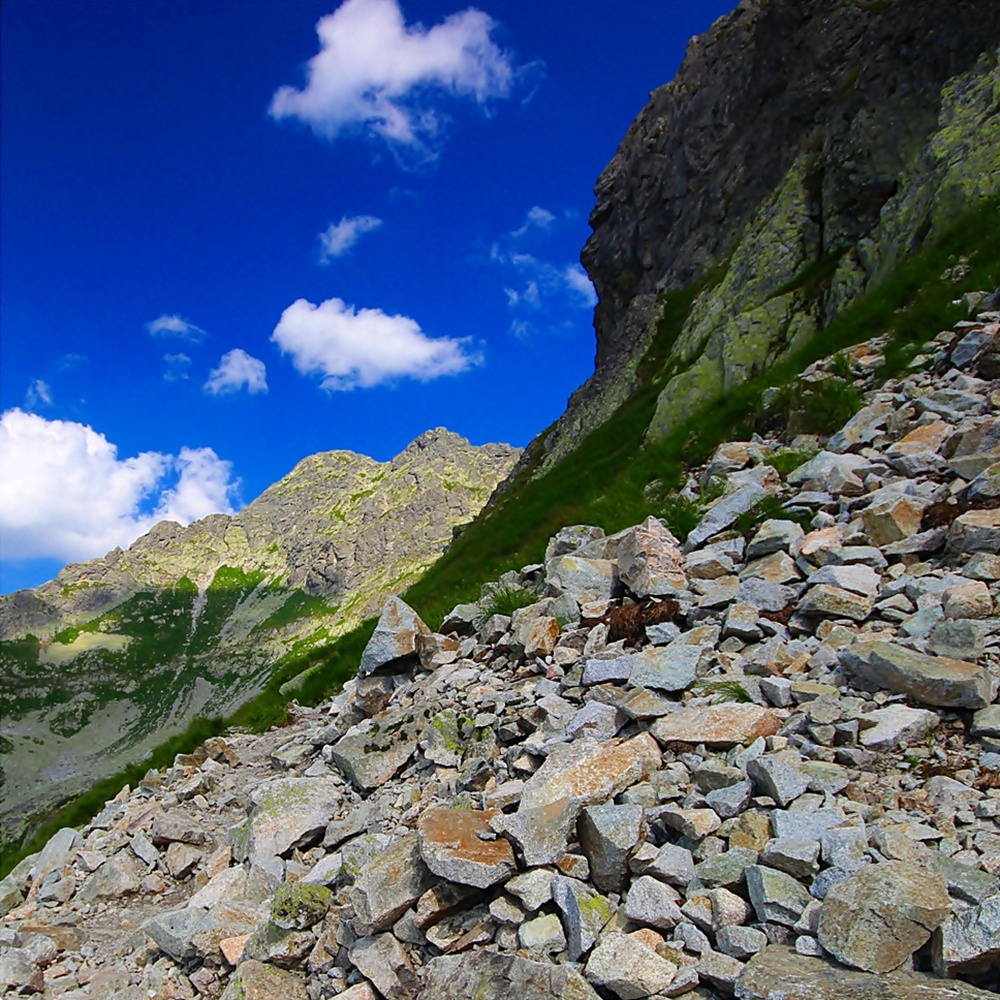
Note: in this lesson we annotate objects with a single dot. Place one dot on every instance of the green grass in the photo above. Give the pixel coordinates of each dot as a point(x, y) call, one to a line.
point(504, 599)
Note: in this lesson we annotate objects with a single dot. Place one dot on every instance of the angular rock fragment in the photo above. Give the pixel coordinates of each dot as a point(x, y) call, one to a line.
point(878, 917)
point(451, 846)
point(394, 640)
point(574, 775)
point(650, 561)
point(932, 680)
point(717, 725)
point(487, 974)
point(390, 884)
point(627, 968)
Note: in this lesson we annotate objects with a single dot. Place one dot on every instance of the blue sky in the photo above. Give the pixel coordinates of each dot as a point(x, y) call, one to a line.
point(236, 234)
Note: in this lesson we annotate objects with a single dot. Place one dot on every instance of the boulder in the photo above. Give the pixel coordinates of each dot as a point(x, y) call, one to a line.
point(392, 882)
point(722, 725)
point(608, 836)
point(878, 917)
point(650, 561)
point(394, 640)
point(932, 680)
point(254, 980)
point(451, 846)
point(779, 973)
point(628, 968)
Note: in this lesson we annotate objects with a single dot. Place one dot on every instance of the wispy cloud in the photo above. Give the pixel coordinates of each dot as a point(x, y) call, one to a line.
point(339, 237)
point(67, 495)
point(360, 348)
point(39, 394)
point(537, 218)
point(538, 290)
point(175, 326)
point(237, 370)
point(177, 367)
point(376, 74)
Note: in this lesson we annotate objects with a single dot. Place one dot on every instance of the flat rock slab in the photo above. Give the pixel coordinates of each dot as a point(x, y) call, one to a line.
point(932, 680)
point(486, 974)
point(717, 725)
point(779, 973)
point(574, 775)
point(878, 917)
point(451, 846)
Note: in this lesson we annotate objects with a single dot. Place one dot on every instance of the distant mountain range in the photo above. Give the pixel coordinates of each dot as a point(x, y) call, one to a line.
point(104, 662)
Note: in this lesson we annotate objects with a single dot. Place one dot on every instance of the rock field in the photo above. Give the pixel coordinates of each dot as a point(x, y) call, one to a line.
point(763, 764)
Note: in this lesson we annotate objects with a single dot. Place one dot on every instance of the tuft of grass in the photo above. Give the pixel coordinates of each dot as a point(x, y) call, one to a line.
point(680, 514)
point(504, 599)
point(788, 460)
point(722, 690)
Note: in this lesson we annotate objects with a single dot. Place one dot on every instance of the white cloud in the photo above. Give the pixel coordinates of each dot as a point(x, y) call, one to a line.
point(537, 218)
point(339, 237)
point(577, 280)
point(175, 326)
point(66, 494)
point(237, 370)
point(365, 347)
point(375, 73)
point(39, 394)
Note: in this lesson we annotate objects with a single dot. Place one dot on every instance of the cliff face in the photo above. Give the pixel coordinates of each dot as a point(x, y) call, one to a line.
point(797, 132)
point(104, 662)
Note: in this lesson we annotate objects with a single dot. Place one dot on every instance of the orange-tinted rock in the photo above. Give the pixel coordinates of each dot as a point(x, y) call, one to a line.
point(451, 846)
point(717, 725)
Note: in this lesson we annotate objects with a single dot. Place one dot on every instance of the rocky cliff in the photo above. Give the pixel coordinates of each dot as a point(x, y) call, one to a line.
point(803, 149)
point(102, 663)
point(759, 762)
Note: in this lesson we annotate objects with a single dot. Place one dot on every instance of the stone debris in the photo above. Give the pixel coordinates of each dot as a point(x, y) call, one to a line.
point(784, 783)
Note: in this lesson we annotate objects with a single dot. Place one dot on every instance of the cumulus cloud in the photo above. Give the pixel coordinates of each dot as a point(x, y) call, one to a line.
point(377, 74)
point(67, 495)
point(39, 394)
point(175, 326)
point(237, 370)
point(360, 348)
point(339, 237)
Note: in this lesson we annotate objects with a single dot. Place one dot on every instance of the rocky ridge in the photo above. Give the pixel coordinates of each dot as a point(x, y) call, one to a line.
point(101, 664)
point(761, 764)
point(889, 130)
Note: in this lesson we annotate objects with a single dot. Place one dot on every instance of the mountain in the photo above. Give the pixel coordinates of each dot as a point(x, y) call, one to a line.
point(104, 662)
point(801, 152)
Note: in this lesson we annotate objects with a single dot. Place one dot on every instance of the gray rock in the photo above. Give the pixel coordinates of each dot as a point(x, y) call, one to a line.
point(487, 974)
point(533, 888)
point(597, 721)
point(724, 512)
point(805, 824)
point(383, 960)
point(653, 904)
point(375, 750)
point(896, 725)
point(173, 931)
point(608, 835)
point(968, 944)
point(731, 801)
point(740, 942)
point(289, 812)
point(725, 868)
point(673, 667)
point(584, 580)
point(722, 971)
point(779, 776)
point(774, 536)
point(776, 897)
point(394, 638)
point(795, 856)
point(628, 968)
point(452, 846)
point(389, 885)
point(932, 680)
point(879, 916)
point(543, 934)
point(846, 846)
point(584, 914)
point(779, 973)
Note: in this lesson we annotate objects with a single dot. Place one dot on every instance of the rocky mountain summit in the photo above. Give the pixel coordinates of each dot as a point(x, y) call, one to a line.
point(104, 662)
point(760, 760)
point(803, 149)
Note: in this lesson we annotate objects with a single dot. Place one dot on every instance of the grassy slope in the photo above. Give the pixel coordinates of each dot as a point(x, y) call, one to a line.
point(604, 480)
